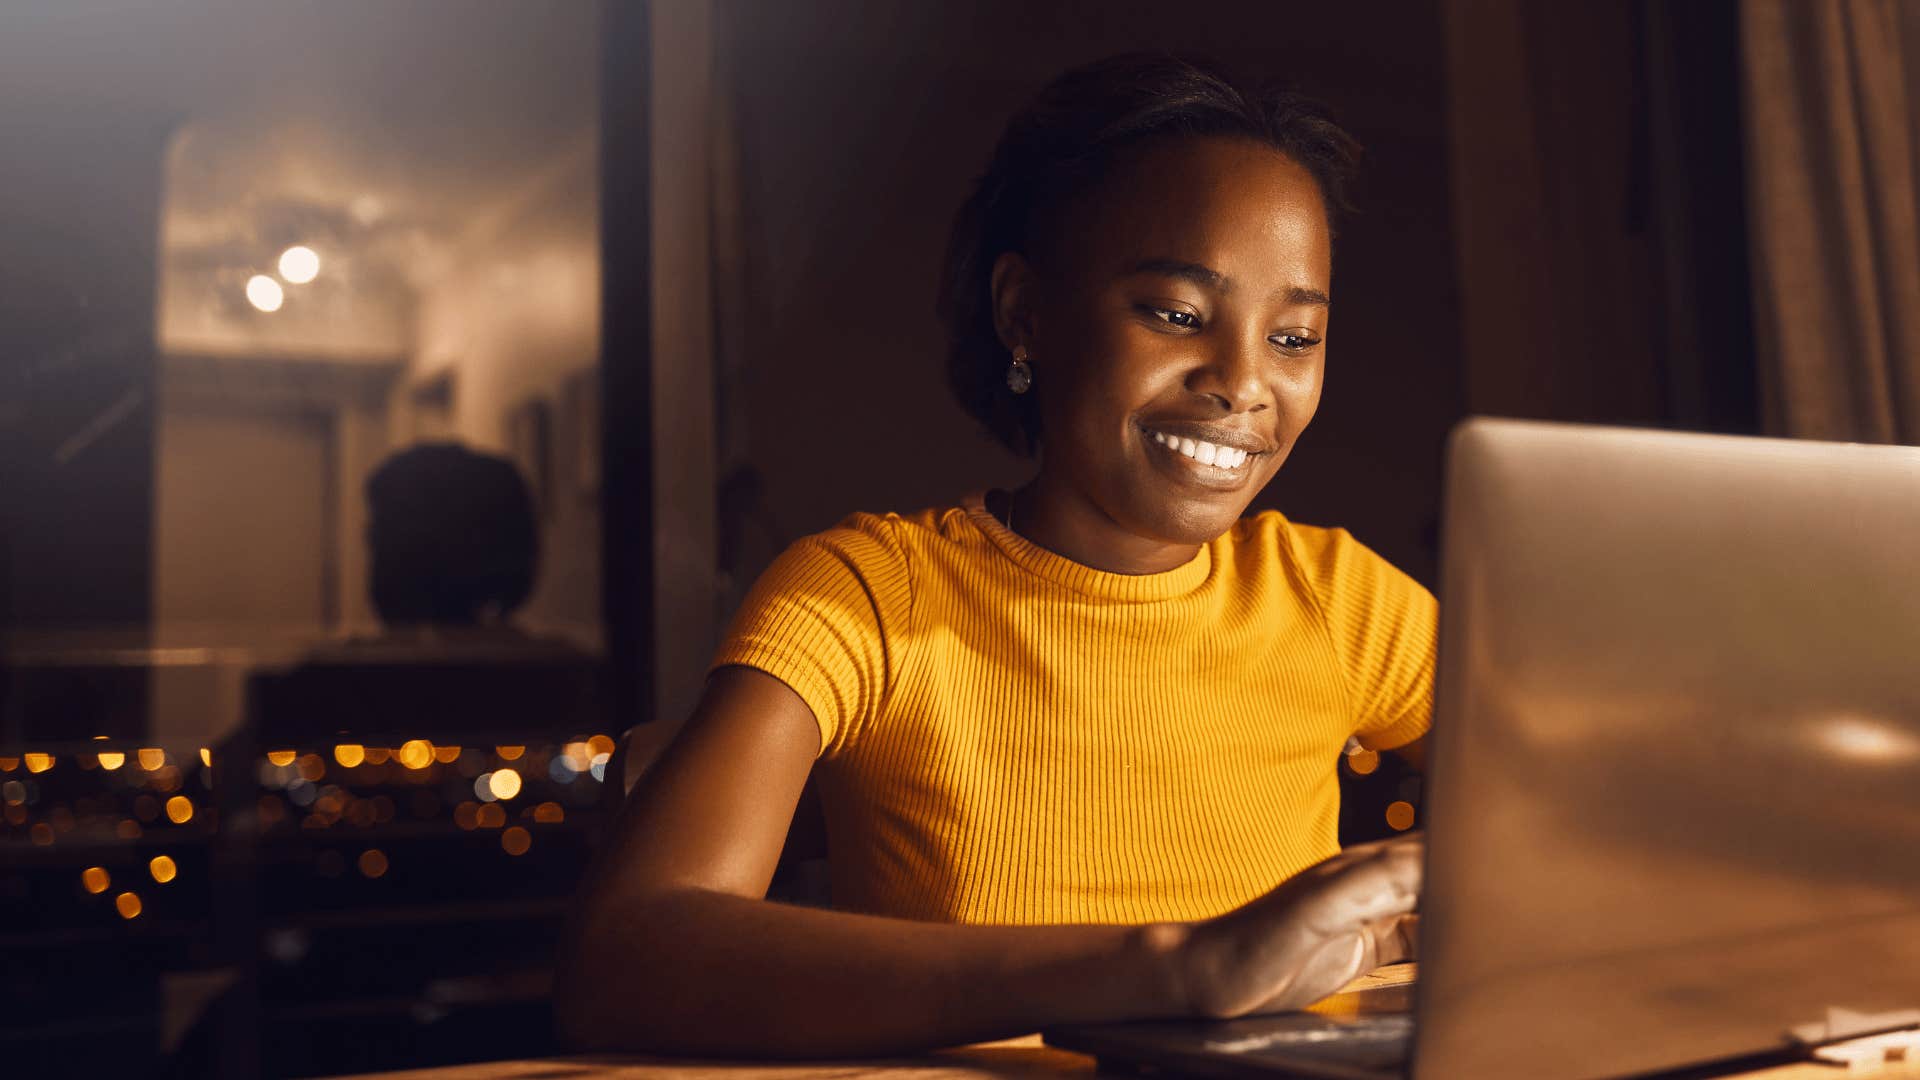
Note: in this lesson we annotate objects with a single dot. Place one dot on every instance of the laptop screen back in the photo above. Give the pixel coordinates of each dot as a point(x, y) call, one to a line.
point(1675, 799)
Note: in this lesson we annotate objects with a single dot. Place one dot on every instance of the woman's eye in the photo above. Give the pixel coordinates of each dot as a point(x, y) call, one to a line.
point(1295, 342)
point(1185, 320)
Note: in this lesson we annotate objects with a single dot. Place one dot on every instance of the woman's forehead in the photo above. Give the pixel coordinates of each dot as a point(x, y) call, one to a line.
point(1236, 206)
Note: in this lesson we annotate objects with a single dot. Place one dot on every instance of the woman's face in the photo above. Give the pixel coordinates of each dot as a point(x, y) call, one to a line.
point(1187, 299)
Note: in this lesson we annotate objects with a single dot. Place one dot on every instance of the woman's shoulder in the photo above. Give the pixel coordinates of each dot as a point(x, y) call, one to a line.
point(879, 544)
point(1330, 557)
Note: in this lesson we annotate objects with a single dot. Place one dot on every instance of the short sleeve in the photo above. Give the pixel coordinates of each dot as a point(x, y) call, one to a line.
point(828, 618)
point(1383, 625)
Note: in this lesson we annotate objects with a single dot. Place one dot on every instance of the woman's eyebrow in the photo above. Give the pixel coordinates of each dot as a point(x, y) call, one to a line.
point(1208, 277)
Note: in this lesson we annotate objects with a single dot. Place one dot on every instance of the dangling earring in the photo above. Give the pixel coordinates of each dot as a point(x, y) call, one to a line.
point(1019, 374)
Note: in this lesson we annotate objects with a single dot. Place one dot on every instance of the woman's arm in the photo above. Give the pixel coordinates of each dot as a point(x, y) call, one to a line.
point(675, 950)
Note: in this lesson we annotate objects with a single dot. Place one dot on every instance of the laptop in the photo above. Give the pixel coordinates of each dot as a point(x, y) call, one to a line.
point(1673, 803)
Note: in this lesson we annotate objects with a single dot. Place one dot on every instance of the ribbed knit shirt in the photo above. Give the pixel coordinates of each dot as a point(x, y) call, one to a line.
point(1008, 736)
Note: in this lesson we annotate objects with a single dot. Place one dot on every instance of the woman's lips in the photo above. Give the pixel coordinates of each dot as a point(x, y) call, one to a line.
point(1195, 472)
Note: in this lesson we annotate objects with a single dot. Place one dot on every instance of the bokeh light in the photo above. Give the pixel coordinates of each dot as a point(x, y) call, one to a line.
point(548, 813)
point(95, 879)
point(491, 816)
point(516, 841)
point(265, 293)
point(510, 753)
point(111, 759)
point(299, 264)
point(152, 757)
point(162, 868)
point(38, 762)
point(206, 756)
point(415, 754)
point(42, 834)
point(1363, 763)
point(505, 783)
point(1400, 815)
point(599, 744)
point(282, 757)
point(128, 905)
point(179, 810)
point(350, 754)
point(372, 862)
point(446, 755)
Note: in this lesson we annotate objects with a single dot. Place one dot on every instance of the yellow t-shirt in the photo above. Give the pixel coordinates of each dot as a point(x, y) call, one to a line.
point(1008, 736)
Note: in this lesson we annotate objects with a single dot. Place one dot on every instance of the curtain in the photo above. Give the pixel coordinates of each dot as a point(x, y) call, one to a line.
point(1834, 216)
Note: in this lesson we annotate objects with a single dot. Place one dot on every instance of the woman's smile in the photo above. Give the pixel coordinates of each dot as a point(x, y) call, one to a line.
point(1224, 463)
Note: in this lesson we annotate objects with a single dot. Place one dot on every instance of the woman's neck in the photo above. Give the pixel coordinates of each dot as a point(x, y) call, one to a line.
point(1067, 524)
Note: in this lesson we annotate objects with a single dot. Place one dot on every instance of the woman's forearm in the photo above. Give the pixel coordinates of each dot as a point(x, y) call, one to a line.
point(712, 974)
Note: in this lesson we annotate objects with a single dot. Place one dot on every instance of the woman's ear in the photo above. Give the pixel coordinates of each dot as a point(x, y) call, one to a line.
point(1013, 288)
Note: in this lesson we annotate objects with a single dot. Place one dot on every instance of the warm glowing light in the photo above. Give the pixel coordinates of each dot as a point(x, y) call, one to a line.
point(299, 264)
point(311, 767)
point(509, 753)
point(129, 905)
point(95, 879)
point(599, 744)
point(163, 869)
point(483, 787)
point(152, 757)
point(38, 762)
point(8, 764)
point(467, 816)
point(1400, 816)
point(516, 840)
point(1867, 739)
point(179, 810)
point(446, 755)
point(265, 293)
point(378, 755)
point(505, 783)
point(111, 760)
point(373, 862)
point(598, 766)
point(491, 816)
point(42, 833)
point(350, 754)
point(415, 754)
point(282, 757)
point(206, 756)
point(549, 812)
point(1363, 763)
point(128, 829)
point(577, 756)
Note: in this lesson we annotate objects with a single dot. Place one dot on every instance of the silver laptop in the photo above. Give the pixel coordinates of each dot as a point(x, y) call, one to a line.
point(1674, 796)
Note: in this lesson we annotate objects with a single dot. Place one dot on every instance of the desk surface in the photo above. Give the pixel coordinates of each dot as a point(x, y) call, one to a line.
point(1024, 1057)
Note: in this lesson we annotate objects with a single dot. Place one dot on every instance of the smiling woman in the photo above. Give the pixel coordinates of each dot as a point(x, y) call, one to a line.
point(1076, 743)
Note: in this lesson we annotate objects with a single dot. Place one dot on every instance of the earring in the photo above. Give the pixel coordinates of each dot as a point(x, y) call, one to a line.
point(1019, 373)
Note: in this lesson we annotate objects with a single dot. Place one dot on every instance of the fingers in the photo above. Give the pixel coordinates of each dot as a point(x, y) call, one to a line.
point(1396, 940)
point(1372, 883)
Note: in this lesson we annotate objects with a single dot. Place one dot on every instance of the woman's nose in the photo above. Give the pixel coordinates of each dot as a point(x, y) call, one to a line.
point(1234, 372)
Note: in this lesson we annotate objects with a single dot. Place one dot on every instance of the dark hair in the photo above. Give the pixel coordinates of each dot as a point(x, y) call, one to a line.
point(452, 533)
point(1062, 144)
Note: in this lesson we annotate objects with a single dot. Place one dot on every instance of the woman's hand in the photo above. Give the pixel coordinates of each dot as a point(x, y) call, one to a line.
point(1318, 931)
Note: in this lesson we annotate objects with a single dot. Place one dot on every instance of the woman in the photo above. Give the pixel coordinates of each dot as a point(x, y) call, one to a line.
point(1075, 742)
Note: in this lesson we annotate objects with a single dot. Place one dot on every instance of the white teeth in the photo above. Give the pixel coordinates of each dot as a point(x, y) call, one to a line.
point(1224, 457)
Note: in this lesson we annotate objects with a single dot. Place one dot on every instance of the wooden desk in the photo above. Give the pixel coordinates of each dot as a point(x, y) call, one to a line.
point(1024, 1057)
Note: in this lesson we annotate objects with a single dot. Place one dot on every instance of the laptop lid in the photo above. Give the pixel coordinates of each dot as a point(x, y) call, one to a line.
point(1674, 809)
